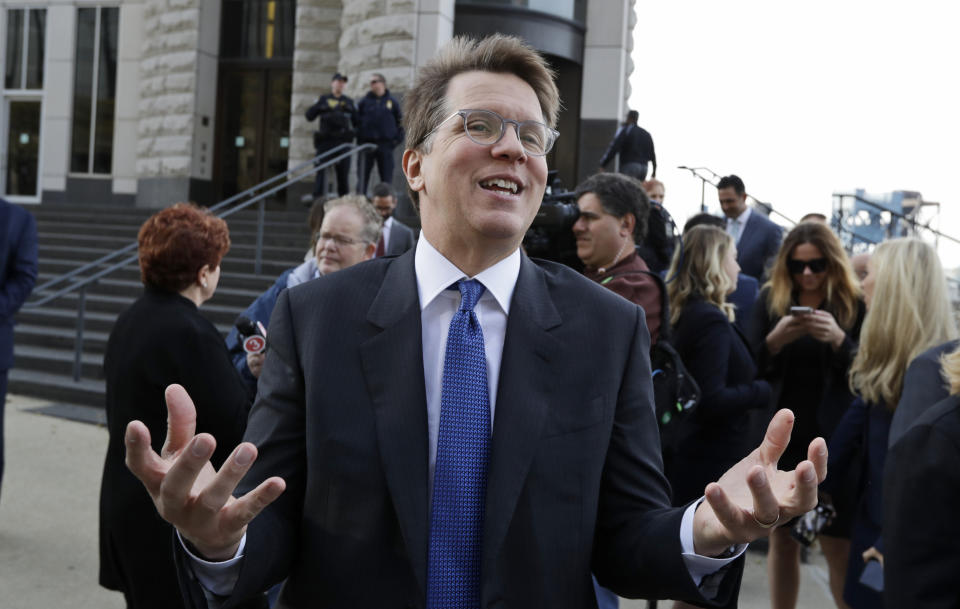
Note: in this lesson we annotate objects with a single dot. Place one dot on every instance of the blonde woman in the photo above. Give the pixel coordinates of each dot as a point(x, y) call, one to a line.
point(908, 311)
point(804, 332)
point(921, 492)
point(717, 356)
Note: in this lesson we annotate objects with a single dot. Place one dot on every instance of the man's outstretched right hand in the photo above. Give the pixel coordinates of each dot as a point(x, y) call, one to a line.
point(187, 491)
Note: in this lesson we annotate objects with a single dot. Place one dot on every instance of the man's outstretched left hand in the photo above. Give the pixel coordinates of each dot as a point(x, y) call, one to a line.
point(754, 496)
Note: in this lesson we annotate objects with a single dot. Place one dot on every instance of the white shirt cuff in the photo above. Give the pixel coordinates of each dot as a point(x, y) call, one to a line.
point(700, 566)
point(216, 577)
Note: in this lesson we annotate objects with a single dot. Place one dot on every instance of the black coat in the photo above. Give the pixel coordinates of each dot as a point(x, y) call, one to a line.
point(923, 386)
point(574, 483)
point(835, 396)
point(921, 492)
point(161, 339)
point(718, 358)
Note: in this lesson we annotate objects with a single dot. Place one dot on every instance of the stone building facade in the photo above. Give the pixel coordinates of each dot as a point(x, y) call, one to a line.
point(145, 102)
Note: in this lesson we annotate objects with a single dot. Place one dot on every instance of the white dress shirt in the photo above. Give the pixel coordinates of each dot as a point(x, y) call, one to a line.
point(437, 306)
point(740, 222)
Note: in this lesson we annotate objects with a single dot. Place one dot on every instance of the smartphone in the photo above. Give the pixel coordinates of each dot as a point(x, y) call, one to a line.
point(801, 310)
point(872, 576)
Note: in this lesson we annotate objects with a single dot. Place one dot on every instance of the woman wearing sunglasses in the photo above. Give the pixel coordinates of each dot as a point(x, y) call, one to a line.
point(804, 332)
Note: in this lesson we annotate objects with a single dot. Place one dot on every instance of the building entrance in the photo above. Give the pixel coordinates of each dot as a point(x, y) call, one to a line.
point(21, 150)
point(254, 126)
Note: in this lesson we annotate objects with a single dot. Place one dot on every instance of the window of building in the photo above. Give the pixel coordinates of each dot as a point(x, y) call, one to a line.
point(24, 48)
point(257, 29)
point(94, 90)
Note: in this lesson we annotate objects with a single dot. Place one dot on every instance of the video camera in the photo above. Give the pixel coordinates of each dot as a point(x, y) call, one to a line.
point(551, 234)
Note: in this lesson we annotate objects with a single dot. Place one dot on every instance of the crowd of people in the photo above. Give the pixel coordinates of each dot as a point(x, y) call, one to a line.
point(448, 421)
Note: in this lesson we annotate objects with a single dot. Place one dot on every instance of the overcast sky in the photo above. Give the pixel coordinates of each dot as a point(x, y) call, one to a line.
point(803, 99)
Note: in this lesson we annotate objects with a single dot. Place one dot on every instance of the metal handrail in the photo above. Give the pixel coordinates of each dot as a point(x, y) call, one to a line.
point(132, 246)
point(315, 164)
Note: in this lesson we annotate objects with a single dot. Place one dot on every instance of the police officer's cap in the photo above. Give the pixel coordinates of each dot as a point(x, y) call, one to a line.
point(339, 76)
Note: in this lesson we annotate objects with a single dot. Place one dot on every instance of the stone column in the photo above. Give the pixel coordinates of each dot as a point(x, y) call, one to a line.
point(178, 85)
point(315, 57)
point(606, 69)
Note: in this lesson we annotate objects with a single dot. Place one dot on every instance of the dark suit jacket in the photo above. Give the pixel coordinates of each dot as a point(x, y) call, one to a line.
point(717, 356)
point(923, 386)
point(748, 288)
point(160, 339)
point(758, 245)
point(18, 271)
point(401, 238)
point(574, 484)
point(921, 494)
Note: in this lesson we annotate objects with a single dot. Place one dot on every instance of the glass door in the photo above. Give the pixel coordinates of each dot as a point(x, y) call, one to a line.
point(254, 126)
point(21, 148)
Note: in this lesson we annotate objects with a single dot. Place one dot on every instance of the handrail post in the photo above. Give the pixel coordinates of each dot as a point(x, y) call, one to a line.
point(78, 341)
point(261, 217)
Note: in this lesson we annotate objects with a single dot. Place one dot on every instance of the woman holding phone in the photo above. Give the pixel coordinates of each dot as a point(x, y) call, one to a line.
point(804, 333)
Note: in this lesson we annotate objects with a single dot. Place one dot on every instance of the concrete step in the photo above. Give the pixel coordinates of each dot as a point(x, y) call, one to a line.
point(94, 341)
point(99, 321)
point(57, 361)
point(57, 387)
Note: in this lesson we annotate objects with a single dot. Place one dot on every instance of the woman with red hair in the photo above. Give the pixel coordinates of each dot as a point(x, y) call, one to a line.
point(163, 339)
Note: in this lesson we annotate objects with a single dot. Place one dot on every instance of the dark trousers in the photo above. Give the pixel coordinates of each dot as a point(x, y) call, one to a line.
point(3, 404)
point(383, 156)
point(634, 170)
point(342, 169)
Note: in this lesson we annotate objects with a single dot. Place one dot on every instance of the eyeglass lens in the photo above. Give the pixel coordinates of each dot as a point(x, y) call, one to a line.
point(486, 127)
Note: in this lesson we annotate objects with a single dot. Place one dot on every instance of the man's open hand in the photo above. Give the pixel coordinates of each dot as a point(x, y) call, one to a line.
point(187, 491)
point(753, 496)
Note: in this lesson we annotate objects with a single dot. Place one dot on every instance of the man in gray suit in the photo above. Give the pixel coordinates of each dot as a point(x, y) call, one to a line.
point(395, 238)
point(412, 446)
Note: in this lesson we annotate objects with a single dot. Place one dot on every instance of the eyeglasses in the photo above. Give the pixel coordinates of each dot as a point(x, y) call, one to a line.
point(728, 201)
point(486, 127)
point(796, 267)
point(338, 240)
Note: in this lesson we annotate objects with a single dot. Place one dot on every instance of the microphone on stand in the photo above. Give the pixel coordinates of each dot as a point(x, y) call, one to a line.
point(252, 337)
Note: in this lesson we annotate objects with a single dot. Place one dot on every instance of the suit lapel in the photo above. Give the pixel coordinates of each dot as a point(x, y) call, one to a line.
point(522, 397)
point(393, 368)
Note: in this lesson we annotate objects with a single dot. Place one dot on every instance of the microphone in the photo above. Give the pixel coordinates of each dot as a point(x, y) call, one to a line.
point(253, 339)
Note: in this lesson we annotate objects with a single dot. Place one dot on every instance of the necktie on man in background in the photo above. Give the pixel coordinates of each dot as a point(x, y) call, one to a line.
point(463, 449)
point(380, 246)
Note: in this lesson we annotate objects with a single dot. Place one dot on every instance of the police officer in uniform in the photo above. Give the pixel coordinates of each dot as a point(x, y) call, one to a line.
point(338, 117)
point(381, 123)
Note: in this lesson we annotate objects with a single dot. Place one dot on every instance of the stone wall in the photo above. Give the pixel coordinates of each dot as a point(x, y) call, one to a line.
point(315, 58)
point(378, 36)
point(167, 88)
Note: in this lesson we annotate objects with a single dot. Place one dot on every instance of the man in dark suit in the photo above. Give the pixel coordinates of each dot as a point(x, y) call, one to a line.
point(921, 491)
point(412, 446)
point(758, 239)
point(18, 273)
point(634, 144)
point(395, 238)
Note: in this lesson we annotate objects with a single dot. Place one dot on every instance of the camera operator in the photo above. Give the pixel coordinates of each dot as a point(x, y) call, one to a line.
point(613, 220)
point(338, 117)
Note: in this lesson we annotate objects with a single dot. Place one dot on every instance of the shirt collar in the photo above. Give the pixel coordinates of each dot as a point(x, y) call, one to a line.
point(435, 274)
point(742, 218)
point(388, 223)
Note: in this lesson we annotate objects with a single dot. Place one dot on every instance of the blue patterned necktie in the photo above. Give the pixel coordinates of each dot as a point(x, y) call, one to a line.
point(460, 476)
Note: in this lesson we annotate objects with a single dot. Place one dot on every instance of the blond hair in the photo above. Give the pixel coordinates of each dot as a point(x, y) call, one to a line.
point(697, 271)
point(951, 370)
point(842, 286)
point(909, 313)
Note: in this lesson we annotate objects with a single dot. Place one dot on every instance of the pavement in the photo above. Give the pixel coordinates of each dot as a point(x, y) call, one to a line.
point(48, 521)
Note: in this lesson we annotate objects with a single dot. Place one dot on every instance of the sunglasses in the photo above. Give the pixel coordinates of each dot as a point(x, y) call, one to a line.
point(796, 267)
